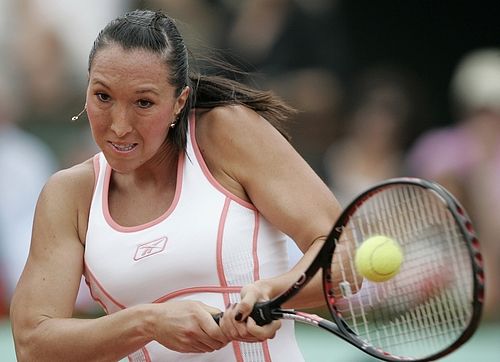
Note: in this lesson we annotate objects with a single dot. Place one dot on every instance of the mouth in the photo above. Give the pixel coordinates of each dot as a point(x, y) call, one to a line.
point(123, 147)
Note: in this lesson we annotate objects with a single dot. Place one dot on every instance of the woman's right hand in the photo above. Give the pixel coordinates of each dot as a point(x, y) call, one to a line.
point(188, 326)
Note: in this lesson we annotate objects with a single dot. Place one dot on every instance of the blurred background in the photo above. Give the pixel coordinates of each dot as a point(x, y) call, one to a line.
point(385, 88)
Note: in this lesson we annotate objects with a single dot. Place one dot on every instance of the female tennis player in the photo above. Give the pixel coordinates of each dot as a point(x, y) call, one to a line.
point(182, 215)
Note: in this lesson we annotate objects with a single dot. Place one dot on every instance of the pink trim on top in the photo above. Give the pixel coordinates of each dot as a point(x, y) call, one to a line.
point(265, 349)
point(95, 298)
point(204, 289)
point(256, 227)
point(237, 351)
point(206, 171)
point(91, 275)
point(256, 272)
point(129, 229)
point(220, 266)
point(144, 351)
point(97, 168)
point(220, 238)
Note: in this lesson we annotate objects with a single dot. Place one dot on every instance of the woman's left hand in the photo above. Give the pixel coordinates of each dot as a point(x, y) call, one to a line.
point(237, 324)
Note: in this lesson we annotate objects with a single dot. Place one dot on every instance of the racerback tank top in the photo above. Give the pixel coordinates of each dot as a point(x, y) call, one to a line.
point(205, 247)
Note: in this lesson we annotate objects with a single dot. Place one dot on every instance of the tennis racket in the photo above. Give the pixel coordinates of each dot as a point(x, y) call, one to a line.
point(426, 311)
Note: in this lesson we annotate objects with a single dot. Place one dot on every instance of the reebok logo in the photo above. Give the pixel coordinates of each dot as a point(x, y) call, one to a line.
point(150, 248)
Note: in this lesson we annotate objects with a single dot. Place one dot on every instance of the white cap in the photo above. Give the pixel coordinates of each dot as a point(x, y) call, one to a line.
point(476, 82)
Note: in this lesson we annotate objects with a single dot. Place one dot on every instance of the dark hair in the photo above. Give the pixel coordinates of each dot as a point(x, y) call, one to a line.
point(156, 32)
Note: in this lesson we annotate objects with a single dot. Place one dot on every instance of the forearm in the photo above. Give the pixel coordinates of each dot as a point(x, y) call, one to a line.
point(108, 338)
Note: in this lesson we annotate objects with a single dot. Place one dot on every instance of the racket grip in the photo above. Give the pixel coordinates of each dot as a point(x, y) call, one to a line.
point(217, 317)
point(261, 314)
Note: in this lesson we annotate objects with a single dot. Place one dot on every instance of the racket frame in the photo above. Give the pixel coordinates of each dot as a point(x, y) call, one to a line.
point(472, 244)
point(267, 311)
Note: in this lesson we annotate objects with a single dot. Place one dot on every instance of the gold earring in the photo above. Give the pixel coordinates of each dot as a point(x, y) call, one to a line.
point(174, 122)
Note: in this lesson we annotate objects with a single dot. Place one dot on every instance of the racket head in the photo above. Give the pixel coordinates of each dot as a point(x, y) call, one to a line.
point(433, 305)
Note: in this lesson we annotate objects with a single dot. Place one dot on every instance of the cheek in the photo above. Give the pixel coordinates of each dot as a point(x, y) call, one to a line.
point(159, 123)
point(156, 129)
point(96, 122)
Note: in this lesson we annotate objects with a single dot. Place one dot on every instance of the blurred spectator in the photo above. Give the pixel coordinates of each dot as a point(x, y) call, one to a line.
point(26, 163)
point(379, 110)
point(317, 94)
point(51, 56)
point(285, 35)
point(465, 157)
point(201, 22)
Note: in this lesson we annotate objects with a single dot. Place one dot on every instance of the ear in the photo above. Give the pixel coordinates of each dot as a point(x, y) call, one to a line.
point(181, 100)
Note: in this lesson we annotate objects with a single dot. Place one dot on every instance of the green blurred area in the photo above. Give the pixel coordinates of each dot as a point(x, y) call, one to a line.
point(320, 346)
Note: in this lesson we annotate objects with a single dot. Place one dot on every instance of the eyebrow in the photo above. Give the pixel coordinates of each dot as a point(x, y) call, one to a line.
point(99, 82)
point(144, 90)
point(148, 90)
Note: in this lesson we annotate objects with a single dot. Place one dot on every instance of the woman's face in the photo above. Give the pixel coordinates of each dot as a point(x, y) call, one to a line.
point(131, 105)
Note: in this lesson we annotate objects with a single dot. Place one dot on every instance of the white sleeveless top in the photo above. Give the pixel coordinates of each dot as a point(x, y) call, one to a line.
point(205, 247)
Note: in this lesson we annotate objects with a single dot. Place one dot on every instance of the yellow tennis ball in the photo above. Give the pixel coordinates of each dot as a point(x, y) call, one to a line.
point(378, 258)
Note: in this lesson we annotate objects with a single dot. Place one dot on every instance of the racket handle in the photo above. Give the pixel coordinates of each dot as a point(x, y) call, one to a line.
point(217, 317)
point(261, 314)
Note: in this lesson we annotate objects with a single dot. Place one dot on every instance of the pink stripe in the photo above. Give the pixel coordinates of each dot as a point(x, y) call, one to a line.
point(208, 289)
point(144, 352)
point(94, 297)
point(220, 263)
point(206, 171)
point(267, 354)
point(220, 266)
point(96, 282)
point(220, 239)
point(97, 168)
point(237, 351)
point(256, 271)
point(129, 229)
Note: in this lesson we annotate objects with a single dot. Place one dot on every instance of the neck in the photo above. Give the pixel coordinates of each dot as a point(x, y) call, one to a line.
point(160, 171)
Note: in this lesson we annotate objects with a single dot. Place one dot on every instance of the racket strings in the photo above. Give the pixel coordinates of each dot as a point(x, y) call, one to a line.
point(427, 304)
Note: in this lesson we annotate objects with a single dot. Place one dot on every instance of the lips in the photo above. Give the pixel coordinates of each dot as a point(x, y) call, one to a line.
point(123, 147)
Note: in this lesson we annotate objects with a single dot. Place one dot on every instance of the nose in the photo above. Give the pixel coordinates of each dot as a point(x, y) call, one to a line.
point(120, 124)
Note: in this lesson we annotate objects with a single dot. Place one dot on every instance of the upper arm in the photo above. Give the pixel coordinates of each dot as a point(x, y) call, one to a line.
point(278, 181)
point(49, 283)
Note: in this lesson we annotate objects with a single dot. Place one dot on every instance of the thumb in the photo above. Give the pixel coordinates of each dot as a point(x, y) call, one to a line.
point(243, 309)
point(212, 310)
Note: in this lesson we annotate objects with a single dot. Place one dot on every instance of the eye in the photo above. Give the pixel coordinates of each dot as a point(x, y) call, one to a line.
point(103, 97)
point(144, 103)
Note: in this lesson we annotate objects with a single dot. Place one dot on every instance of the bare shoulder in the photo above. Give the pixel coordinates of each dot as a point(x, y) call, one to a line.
point(235, 132)
point(232, 139)
point(73, 182)
point(231, 121)
point(68, 193)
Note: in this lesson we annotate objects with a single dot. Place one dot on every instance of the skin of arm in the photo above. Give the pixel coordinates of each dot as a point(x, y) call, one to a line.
point(42, 307)
point(249, 157)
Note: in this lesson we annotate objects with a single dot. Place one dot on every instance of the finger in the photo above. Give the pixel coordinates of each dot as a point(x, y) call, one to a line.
point(233, 329)
point(211, 310)
point(203, 342)
point(217, 337)
point(245, 306)
point(249, 331)
point(192, 345)
point(264, 332)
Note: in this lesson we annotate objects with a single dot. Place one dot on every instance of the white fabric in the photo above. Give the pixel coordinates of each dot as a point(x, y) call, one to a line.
point(205, 247)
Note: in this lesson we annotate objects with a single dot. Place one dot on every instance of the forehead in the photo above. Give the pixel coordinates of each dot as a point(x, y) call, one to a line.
point(116, 63)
